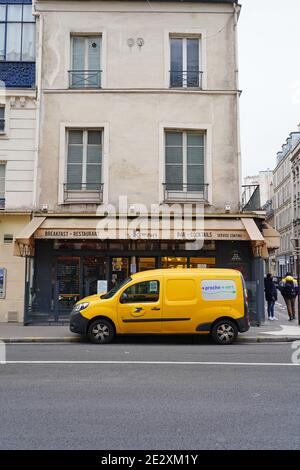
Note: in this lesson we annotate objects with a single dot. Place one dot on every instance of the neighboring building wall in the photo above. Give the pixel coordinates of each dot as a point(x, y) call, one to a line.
point(295, 161)
point(17, 145)
point(283, 209)
point(12, 303)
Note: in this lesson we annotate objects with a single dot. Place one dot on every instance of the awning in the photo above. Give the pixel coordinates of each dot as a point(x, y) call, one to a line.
point(271, 236)
point(24, 244)
point(89, 228)
point(95, 228)
point(25, 235)
point(252, 229)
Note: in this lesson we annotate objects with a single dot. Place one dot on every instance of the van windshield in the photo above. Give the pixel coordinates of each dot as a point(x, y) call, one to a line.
point(115, 289)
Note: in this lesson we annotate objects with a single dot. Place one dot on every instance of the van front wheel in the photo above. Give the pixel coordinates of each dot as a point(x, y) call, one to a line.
point(224, 332)
point(101, 331)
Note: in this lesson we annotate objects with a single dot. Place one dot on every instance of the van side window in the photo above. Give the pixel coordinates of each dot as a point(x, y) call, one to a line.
point(147, 291)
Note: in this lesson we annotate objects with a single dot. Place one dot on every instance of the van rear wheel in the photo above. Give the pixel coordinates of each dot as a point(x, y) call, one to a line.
point(101, 331)
point(224, 332)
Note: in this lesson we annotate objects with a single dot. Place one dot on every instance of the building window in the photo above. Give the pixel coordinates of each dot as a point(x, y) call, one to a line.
point(85, 62)
point(2, 186)
point(2, 119)
point(17, 33)
point(84, 165)
point(185, 165)
point(185, 63)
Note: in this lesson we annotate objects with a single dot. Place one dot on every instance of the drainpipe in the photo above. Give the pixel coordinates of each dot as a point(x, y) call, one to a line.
point(38, 66)
point(236, 12)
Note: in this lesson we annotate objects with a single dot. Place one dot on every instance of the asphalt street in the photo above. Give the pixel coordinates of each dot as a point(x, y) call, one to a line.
point(154, 394)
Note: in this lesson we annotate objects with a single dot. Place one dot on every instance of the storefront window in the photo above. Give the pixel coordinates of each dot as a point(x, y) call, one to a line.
point(202, 262)
point(68, 245)
point(119, 270)
point(173, 263)
point(146, 263)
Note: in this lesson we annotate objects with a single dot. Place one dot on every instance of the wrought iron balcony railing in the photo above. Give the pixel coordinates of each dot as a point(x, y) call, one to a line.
point(185, 192)
point(85, 78)
point(186, 79)
point(83, 193)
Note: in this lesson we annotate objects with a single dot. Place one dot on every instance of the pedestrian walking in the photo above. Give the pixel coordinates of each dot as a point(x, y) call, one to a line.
point(271, 296)
point(289, 290)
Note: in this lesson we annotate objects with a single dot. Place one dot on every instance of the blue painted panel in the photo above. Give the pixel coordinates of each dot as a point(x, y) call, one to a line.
point(18, 74)
point(16, 1)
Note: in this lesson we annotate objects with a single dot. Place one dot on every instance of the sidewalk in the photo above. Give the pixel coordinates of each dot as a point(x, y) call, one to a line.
point(280, 330)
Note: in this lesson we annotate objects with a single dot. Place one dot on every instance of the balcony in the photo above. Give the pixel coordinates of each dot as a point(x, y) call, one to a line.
point(174, 192)
point(83, 193)
point(85, 78)
point(186, 79)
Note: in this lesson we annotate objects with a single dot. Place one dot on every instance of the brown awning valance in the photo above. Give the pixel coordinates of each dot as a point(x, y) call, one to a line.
point(87, 228)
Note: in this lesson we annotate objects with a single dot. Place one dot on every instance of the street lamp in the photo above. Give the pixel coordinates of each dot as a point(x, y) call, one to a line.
point(296, 246)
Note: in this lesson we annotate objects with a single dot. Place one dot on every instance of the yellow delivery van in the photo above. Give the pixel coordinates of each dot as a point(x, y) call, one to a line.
point(167, 301)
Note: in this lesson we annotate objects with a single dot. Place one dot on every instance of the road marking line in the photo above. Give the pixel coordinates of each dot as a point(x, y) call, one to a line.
point(160, 363)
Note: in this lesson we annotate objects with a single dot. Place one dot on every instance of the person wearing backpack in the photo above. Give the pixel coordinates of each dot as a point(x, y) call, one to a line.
point(289, 291)
point(271, 296)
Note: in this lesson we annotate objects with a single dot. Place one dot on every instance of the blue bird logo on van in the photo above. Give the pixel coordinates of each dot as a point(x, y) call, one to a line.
point(138, 309)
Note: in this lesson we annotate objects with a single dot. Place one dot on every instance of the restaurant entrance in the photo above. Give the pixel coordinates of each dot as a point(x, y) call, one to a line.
point(75, 277)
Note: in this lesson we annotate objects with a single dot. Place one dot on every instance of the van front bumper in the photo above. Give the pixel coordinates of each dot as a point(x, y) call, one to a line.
point(78, 323)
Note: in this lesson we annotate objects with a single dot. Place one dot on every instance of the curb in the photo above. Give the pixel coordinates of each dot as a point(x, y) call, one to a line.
point(74, 339)
point(36, 339)
point(268, 339)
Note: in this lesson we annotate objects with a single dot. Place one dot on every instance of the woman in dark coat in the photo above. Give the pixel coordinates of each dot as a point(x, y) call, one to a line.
point(271, 296)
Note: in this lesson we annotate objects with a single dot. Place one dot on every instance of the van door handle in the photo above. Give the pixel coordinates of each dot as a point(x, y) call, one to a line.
point(155, 308)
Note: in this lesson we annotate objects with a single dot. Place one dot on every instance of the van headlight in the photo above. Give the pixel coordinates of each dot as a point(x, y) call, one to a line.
point(79, 307)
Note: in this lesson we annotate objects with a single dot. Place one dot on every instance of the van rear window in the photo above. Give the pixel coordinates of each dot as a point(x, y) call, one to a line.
point(217, 289)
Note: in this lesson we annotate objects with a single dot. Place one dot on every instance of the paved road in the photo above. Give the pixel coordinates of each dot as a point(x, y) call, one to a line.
point(158, 395)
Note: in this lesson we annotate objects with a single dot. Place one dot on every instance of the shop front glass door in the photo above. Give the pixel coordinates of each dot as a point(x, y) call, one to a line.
point(94, 270)
point(67, 285)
